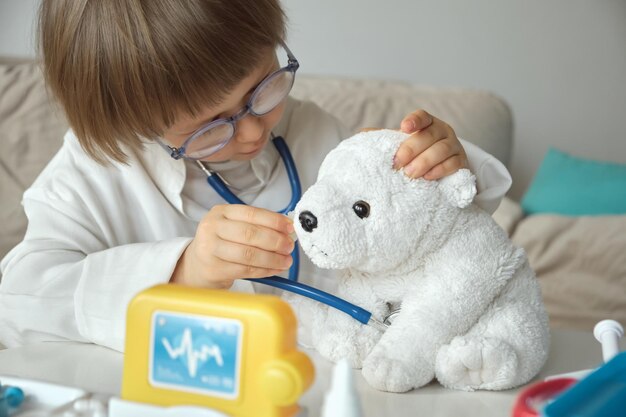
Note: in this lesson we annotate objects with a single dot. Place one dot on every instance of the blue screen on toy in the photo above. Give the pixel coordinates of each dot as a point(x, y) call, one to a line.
point(194, 353)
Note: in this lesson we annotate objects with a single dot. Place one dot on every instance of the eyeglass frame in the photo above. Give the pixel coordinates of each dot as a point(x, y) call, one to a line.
point(178, 153)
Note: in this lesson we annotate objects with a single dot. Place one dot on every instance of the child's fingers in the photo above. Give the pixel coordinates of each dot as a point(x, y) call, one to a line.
point(428, 159)
point(250, 256)
point(258, 216)
point(447, 167)
point(418, 120)
point(417, 143)
point(237, 270)
point(254, 235)
point(411, 148)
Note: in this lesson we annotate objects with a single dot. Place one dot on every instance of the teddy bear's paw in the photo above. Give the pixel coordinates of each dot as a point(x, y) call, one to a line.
point(395, 375)
point(476, 363)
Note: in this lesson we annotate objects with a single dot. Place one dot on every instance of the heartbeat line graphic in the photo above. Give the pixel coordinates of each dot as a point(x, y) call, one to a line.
point(193, 357)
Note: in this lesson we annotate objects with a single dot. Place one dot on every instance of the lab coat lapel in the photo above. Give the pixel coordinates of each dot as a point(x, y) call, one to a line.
point(167, 173)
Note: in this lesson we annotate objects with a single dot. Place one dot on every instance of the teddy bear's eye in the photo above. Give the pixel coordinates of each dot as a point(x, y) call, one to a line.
point(361, 208)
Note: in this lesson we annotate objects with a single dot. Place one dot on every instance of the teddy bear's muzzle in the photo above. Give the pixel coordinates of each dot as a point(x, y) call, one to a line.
point(308, 221)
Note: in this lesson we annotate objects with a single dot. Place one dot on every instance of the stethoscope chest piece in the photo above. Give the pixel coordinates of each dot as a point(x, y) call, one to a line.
point(391, 317)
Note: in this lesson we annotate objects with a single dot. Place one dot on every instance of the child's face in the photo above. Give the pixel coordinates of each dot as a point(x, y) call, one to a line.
point(251, 134)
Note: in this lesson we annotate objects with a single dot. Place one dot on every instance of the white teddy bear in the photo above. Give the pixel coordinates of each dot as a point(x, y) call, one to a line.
point(471, 309)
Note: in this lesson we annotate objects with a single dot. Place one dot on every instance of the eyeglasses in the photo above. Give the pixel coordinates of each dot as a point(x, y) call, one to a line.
point(213, 136)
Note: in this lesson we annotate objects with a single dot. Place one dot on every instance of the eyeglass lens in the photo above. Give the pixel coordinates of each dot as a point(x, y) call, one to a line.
point(269, 94)
point(272, 92)
point(209, 141)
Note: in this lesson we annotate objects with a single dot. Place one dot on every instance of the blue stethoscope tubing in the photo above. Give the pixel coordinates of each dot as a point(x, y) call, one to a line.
point(296, 193)
point(292, 284)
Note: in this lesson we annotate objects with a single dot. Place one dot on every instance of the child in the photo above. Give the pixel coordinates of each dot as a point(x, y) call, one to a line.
point(116, 212)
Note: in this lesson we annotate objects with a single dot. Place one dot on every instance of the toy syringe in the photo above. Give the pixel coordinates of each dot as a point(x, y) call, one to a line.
point(608, 333)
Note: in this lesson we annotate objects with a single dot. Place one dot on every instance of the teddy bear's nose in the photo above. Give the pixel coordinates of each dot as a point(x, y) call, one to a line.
point(308, 221)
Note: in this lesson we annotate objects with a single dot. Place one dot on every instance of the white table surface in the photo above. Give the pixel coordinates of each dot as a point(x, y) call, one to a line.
point(99, 370)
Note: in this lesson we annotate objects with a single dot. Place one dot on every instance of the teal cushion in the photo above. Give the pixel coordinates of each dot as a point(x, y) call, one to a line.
point(574, 186)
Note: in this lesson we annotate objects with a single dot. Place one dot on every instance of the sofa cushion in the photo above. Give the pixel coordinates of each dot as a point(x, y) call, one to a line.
point(31, 131)
point(580, 265)
point(574, 186)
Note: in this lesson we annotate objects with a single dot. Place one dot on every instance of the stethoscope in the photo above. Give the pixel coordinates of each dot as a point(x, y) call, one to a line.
point(292, 285)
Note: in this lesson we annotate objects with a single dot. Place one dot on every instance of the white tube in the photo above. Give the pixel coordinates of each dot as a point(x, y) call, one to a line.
point(342, 399)
point(608, 333)
point(575, 375)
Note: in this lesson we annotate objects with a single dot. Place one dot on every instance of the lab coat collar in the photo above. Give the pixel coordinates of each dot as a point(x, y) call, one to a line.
point(167, 173)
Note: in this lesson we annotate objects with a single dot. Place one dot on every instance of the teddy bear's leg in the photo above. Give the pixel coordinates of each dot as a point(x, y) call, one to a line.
point(403, 359)
point(333, 334)
point(506, 348)
point(339, 336)
point(309, 314)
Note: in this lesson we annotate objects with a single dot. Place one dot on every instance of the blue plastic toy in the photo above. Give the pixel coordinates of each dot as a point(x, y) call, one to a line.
point(10, 399)
point(601, 394)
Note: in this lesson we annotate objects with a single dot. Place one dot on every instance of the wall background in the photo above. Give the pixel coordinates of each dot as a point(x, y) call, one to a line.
point(560, 64)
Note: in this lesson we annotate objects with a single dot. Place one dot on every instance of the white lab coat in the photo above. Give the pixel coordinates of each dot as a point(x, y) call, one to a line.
point(98, 235)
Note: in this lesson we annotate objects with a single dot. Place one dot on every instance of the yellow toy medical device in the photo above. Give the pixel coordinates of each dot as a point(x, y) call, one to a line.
point(231, 352)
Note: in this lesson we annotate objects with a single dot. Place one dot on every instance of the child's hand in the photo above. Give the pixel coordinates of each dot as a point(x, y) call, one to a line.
point(235, 241)
point(432, 151)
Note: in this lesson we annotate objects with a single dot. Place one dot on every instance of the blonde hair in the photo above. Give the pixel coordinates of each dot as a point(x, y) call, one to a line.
point(123, 69)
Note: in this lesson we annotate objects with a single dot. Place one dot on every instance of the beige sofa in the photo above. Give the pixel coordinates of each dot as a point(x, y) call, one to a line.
point(581, 262)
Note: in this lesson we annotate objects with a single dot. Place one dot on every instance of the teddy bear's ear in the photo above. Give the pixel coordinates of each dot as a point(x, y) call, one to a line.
point(459, 188)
